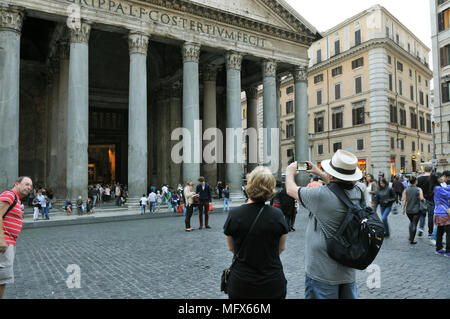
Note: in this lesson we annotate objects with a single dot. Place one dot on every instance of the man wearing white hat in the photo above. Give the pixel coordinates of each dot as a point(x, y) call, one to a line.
point(325, 277)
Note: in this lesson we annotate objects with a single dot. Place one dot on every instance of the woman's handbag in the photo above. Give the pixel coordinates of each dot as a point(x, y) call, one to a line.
point(423, 208)
point(226, 272)
point(210, 207)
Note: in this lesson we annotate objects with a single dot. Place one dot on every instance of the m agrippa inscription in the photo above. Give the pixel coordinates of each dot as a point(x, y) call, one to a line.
point(159, 16)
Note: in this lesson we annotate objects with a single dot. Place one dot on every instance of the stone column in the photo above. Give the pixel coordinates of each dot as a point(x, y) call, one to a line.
point(191, 111)
point(78, 112)
point(175, 122)
point(52, 122)
point(234, 143)
point(137, 115)
point(252, 123)
point(301, 120)
point(280, 163)
point(11, 20)
point(269, 70)
point(210, 119)
point(62, 121)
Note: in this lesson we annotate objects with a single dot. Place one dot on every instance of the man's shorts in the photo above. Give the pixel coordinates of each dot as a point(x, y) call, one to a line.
point(6, 265)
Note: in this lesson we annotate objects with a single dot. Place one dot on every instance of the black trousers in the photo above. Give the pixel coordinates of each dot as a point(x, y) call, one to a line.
point(189, 212)
point(414, 220)
point(439, 236)
point(203, 207)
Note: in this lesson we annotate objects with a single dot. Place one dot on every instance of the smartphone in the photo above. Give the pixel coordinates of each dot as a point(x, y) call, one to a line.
point(302, 166)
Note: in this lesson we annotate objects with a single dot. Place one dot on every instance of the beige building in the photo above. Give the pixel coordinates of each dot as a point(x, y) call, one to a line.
point(440, 30)
point(369, 93)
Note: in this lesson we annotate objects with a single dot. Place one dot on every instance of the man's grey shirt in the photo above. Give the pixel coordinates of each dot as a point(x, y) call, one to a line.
point(329, 212)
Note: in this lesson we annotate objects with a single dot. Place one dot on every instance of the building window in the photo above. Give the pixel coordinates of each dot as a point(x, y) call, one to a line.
point(357, 63)
point(421, 147)
point(402, 163)
point(413, 146)
point(289, 130)
point(400, 87)
point(411, 92)
point(337, 91)
point(289, 107)
point(318, 78)
point(400, 66)
point(388, 34)
point(320, 149)
point(338, 119)
point(428, 101)
point(401, 144)
point(420, 79)
point(421, 98)
point(410, 73)
point(360, 145)
point(358, 116)
point(290, 153)
point(319, 97)
point(393, 113)
point(319, 55)
point(336, 71)
point(289, 90)
point(358, 85)
point(413, 117)
point(357, 37)
point(337, 146)
point(397, 38)
point(445, 92)
point(403, 117)
point(422, 123)
point(392, 143)
point(428, 124)
point(389, 60)
point(319, 123)
point(444, 20)
point(429, 148)
point(337, 47)
point(409, 47)
point(390, 83)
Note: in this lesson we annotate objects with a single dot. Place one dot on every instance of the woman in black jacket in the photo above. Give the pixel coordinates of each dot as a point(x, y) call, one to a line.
point(384, 197)
point(258, 272)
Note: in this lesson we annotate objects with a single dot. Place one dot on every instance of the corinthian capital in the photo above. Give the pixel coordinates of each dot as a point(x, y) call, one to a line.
point(300, 73)
point(251, 92)
point(79, 32)
point(191, 52)
point(269, 68)
point(11, 18)
point(138, 42)
point(234, 60)
point(210, 74)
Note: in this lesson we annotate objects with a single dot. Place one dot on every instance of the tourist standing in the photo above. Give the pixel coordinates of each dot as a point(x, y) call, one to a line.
point(152, 201)
point(79, 204)
point(423, 182)
point(189, 195)
point(412, 196)
point(204, 198)
point(226, 199)
point(258, 271)
point(441, 196)
point(143, 203)
point(385, 197)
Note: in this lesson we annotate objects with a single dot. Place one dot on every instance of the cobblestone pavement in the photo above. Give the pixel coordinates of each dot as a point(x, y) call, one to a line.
point(156, 258)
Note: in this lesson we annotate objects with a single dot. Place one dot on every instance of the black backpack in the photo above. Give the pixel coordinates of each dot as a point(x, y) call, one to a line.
point(360, 236)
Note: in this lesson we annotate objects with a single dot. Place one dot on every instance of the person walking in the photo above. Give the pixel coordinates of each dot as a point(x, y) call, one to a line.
point(257, 272)
point(11, 222)
point(204, 198)
point(423, 182)
point(412, 196)
point(325, 277)
point(441, 196)
point(385, 197)
point(372, 186)
point(152, 201)
point(143, 203)
point(189, 195)
point(398, 188)
point(226, 199)
point(159, 199)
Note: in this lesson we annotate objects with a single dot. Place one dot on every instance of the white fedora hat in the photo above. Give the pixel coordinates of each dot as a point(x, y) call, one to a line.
point(344, 166)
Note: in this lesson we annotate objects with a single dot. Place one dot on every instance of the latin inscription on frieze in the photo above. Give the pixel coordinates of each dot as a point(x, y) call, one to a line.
point(153, 15)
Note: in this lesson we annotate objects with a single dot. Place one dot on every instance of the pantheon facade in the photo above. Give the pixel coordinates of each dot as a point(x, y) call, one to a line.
point(91, 90)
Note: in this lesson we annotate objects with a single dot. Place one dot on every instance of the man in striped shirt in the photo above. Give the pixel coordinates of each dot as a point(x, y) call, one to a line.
point(11, 211)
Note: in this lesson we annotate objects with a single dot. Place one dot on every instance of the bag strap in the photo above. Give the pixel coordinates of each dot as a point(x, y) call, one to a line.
point(236, 256)
point(339, 192)
point(11, 206)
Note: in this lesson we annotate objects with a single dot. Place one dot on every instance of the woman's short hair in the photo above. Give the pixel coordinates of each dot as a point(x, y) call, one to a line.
point(412, 180)
point(260, 184)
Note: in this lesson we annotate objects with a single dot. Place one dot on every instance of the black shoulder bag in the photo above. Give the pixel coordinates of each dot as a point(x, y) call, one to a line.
point(11, 206)
point(226, 272)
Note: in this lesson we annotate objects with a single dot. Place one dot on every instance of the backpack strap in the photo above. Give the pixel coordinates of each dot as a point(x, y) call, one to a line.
point(339, 192)
point(11, 206)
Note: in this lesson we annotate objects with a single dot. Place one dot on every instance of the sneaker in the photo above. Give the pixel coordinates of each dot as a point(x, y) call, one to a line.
point(447, 255)
point(420, 232)
point(439, 252)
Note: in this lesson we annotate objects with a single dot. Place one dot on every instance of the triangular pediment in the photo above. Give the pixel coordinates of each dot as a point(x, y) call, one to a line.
point(276, 13)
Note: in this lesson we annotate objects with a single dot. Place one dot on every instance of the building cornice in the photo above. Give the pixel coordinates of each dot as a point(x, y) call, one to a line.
point(385, 43)
point(303, 34)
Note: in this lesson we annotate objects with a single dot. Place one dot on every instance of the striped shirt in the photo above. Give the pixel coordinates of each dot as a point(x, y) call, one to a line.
point(12, 222)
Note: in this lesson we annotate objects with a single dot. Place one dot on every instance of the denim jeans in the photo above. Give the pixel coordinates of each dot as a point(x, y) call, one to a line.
point(152, 207)
point(318, 290)
point(431, 228)
point(226, 204)
point(143, 209)
point(384, 216)
point(44, 211)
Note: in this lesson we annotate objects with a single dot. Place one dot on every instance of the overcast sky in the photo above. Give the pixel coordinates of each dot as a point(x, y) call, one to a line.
point(325, 14)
